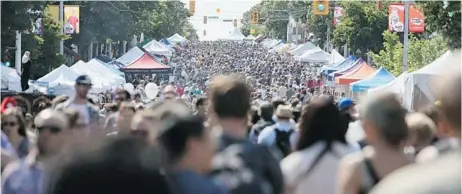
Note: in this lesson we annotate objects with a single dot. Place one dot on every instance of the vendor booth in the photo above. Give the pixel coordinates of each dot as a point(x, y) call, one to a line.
point(146, 66)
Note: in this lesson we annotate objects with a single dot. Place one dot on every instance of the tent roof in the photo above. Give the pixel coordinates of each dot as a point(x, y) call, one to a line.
point(395, 86)
point(363, 71)
point(336, 57)
point(441, 64)
point(316, 55)
point(350, 68)
point(63, 75)
point(381, 77)
point(99, 76)
point(132, 55)
point(146, 62)
point(250, 37)
point(176, 38)
point(259, 38)
point(234, 35)
point(302, 49)
point(157, 48)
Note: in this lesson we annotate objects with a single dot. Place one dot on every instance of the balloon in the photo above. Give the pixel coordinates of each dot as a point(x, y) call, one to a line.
point(151, 90)
point(129, 87)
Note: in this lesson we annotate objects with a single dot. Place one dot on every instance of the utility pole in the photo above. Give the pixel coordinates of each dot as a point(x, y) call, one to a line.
point(406, 34)
point(17, 61)
point(61, 20)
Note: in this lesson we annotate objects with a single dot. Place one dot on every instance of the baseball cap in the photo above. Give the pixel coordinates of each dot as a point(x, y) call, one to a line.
point(345, 103)
point(83, 79)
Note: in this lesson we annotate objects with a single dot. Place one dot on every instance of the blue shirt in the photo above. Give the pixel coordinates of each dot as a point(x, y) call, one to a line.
point(268, 135)
point(6, 145)
point(23, 177)
point(190, 182)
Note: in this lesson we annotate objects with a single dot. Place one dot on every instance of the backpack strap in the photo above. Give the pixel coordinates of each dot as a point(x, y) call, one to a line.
point(369, 177)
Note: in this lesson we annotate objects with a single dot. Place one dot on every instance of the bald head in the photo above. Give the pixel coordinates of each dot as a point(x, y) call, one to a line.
point(51, 117)
point(384, 112)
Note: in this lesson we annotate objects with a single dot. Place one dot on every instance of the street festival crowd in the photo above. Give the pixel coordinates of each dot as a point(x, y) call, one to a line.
point(239, 120)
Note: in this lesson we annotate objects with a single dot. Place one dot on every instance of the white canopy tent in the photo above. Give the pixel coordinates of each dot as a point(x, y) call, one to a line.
point(235, 35)
point(10, 79)
point(336, 57)
point(99, 66)
point(131, 56)
point(250, 37)
point(396, 86)
point(100, 82)
point(316, 55)
point(62, 80)
point(302, 49)
point(176, 38)
point(157, 48)
point(418, 84)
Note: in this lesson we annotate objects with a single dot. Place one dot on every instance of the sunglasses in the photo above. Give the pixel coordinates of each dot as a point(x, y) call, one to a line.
point(52, 129)
point(11, 124)
point(139, 133)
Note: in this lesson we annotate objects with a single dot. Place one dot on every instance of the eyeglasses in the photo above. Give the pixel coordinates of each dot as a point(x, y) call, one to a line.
point(53, 129)
point(11, 124)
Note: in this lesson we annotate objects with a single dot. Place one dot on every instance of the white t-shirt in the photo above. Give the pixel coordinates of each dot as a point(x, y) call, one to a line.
point(282, 91)
point(83, 111)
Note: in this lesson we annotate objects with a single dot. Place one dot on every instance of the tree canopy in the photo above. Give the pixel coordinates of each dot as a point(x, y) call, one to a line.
point(100, 21)
point(421, 52)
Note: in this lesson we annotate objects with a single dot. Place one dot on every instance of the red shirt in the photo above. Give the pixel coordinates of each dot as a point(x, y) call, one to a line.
point(73, 21)
point(179, 91)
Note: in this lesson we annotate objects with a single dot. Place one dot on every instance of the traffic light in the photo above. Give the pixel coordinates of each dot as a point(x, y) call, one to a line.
point(235, 23)
point(321, 7)
point(218, 10)
point(192, 6)
point(254, 17)
point(205, 19)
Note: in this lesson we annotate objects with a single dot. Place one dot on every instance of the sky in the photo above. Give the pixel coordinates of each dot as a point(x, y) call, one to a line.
point(216, 28)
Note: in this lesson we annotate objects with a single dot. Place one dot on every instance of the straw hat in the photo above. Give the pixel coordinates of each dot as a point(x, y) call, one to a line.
point(284, 111)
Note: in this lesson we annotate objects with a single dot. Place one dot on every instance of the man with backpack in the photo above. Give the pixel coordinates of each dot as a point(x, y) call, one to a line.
point(282, 134)
point(240, 166)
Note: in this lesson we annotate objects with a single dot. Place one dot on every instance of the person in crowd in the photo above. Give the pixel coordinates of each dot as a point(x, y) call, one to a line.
point(421, 131)
point(8, 152)
point(266, 120)
point(282, 134)
point(432, 113)
point(321, 144)
point(137, 99)
point(384, 123)
point(347, 109)
point(143, 126)
point(241, 166)
point(14, 126)
point(27, 176)
point(113, 166)
point(442, 173)
point(124, 119)
point(169, 92)
point(122, 96)
point(190, 148)
point(87, 110)
point(296, 108)
point(201, 106)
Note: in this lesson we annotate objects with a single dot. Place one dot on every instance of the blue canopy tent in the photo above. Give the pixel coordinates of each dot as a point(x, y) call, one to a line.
point(381, 77)
point(348, 61)
point(166, 42)
point(345, 65)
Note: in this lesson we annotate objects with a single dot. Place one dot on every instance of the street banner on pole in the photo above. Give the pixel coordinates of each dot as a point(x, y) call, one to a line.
point(396, 19)
point(338, 12)
point(71, 19)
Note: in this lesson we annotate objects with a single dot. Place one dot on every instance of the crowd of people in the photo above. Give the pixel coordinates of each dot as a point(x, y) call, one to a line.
point(237, 120)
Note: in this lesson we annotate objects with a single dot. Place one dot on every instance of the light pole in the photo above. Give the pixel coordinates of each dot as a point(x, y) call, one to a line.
point(406, 34)
point(61, 20)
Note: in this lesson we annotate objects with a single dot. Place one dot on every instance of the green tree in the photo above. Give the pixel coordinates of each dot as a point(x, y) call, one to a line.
point(421, 52)
point(361, 26)
point(443, 19)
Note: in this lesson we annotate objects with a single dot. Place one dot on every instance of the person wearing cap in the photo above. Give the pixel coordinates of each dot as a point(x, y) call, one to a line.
point(269, 135)
point(347, 109)
point(27, 175)
point(81, 103)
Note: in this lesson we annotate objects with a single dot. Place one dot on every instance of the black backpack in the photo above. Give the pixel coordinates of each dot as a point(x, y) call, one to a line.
point(283, 141)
